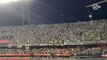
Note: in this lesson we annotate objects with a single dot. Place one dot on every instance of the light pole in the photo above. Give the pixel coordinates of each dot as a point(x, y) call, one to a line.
point(62, 18)
point(22, 13)
point(90, 16)
point(28, 9)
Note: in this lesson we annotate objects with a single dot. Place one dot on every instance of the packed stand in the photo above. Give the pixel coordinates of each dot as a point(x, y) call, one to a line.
point(55, 50)
point(65, 33)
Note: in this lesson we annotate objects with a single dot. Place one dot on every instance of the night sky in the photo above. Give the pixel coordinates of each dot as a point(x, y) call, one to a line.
point(50, 12)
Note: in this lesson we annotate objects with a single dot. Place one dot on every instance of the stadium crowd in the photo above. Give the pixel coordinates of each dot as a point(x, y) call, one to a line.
point(76, 50)
point(66, 33)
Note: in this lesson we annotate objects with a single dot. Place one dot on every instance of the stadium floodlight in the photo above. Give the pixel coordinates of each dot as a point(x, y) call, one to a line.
point(7, 1)
point(22, 3)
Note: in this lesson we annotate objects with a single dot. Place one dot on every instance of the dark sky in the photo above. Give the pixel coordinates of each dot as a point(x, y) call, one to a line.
point(50, 11)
